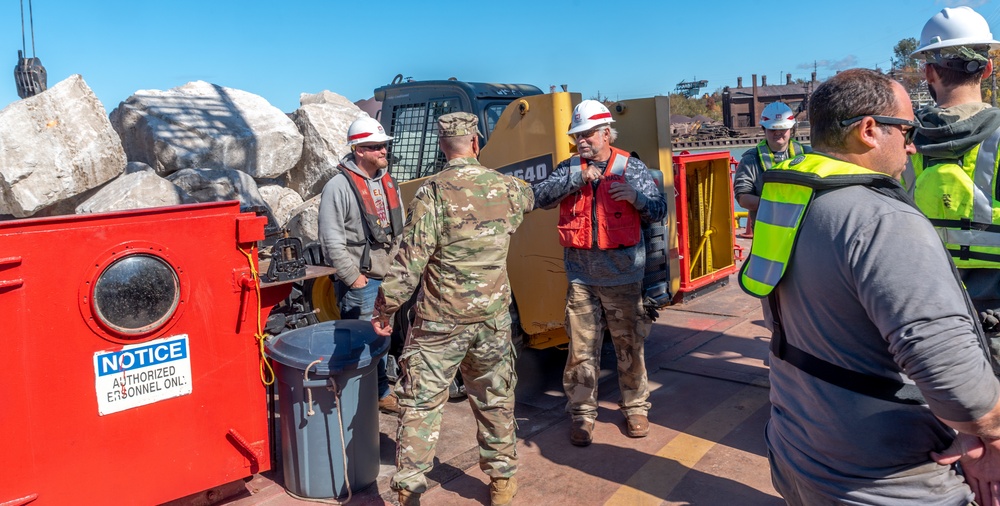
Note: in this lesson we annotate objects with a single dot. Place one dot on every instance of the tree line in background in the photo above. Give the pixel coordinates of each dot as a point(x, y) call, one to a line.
point(709, 104)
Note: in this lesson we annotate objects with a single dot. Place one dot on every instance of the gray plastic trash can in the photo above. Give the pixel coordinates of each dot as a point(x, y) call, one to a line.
point(343, 354)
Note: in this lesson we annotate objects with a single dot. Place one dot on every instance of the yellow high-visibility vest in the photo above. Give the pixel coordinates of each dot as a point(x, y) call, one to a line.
point(766, 156)
point(960, 197)
point(788, 190)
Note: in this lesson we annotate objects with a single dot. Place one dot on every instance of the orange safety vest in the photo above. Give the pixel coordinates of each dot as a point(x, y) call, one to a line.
point(618, 222)
point(369, 213)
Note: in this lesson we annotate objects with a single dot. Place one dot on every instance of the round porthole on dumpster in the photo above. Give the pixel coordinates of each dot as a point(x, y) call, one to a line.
point(326, 381)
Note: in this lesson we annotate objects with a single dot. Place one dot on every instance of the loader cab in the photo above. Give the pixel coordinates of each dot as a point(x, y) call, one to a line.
point(410, 111)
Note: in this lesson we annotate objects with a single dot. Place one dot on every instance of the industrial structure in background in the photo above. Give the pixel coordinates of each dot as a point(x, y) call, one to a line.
point(690, 89)
point(741, 106)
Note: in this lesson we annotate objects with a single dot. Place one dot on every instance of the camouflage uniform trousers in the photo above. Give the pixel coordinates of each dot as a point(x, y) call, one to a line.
point(588, 310)
point(432, 355)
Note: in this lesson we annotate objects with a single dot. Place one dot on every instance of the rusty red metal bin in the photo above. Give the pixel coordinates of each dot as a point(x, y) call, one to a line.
point(131, 371)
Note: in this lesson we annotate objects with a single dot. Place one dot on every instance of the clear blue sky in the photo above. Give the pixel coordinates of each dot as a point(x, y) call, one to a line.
point(620, 49)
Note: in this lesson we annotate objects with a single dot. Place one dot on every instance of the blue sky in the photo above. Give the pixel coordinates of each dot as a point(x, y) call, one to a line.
point(279, 49)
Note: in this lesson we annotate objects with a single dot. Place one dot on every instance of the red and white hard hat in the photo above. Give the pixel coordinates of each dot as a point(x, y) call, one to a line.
point(777, 116)
point(365, 130)
point(587, 115)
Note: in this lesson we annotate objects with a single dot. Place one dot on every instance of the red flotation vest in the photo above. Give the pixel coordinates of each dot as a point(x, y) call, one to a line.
point(618, 222)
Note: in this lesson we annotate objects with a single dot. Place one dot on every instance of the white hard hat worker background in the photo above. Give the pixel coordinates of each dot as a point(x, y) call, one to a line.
point(366, 130)
point(957, 38)
point(777, 116)
point(588, 115)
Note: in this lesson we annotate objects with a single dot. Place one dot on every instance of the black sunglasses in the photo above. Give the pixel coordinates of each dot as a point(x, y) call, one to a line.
point(889, 120)
point(374, 147)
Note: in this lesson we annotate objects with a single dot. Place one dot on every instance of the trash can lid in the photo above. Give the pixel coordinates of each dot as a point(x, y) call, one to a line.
point(342, 344)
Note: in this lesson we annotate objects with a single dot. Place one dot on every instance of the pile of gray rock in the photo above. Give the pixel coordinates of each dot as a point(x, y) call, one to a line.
point(61, 153)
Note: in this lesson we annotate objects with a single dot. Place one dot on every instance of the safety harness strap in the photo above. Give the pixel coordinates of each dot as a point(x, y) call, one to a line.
point(879, 387)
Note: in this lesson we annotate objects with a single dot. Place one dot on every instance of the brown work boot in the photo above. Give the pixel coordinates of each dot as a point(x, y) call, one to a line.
point(637, 425)
point(407, 498)
point(581, 432)
point(502, 491)
point(389, 404)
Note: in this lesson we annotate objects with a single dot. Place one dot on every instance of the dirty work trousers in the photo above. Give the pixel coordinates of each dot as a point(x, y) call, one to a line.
point(589, 309)
point(434, 352)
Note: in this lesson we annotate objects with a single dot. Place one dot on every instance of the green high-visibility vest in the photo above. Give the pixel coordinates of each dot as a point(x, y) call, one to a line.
point(766, 156)
point(788, 190)
point(961, 198)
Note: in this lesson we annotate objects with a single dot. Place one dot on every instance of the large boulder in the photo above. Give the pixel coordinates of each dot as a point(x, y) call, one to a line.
point(323, 120)
point(204, 125)
point(304, 221)
point(282, 201)
point(217, 185)
point(139, 187)
point(54, 146)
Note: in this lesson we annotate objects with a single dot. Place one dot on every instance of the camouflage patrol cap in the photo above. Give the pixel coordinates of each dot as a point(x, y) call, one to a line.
point(457, 124)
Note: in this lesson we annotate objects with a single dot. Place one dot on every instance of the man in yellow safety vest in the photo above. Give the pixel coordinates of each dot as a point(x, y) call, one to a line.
point(877, 362)
point(954, 178)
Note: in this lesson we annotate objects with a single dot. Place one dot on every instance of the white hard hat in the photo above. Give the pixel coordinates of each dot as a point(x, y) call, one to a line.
point(777, 116)
point(587, 115)
point(365, 130)
point(955, 26)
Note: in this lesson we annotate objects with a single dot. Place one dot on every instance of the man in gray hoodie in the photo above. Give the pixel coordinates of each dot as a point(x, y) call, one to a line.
point(954, 171)
point(360, 226)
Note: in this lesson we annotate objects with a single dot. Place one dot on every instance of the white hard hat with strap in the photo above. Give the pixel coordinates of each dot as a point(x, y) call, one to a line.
point(958, 38)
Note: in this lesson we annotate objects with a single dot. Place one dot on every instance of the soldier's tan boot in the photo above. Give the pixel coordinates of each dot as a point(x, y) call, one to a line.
point(502, 491)
point(407, 498)
point(581, 432)
point(389, 404)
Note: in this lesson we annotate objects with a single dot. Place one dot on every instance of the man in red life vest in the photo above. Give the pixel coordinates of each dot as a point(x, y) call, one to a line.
point(604, 196)
point(360, 222)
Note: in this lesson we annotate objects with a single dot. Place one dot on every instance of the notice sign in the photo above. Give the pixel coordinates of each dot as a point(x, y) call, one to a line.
point(142, 374)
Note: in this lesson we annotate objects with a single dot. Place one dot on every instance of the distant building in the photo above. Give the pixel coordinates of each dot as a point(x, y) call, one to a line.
point(741, 106)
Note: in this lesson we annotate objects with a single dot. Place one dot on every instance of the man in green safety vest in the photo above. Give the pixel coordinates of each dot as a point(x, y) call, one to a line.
point(778, 122)
point(879, 373)
point(955, 168)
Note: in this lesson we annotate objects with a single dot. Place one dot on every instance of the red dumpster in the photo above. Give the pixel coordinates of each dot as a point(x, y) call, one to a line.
point(131, 369)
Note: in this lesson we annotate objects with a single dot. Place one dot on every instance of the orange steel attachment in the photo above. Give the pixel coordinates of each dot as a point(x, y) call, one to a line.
point(131, 372)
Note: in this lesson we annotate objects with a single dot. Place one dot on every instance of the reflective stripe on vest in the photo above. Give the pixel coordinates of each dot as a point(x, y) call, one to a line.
point(783, 206)
point(766, 156)
point(618, 223)
point(968, 229)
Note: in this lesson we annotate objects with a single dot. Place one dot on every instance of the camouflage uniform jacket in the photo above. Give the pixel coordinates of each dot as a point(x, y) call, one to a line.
point(455, 243)
point(597, 267)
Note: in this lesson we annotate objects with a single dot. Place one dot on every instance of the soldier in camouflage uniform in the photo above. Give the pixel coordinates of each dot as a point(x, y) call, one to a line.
point(454, 251)
point(604, 195)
